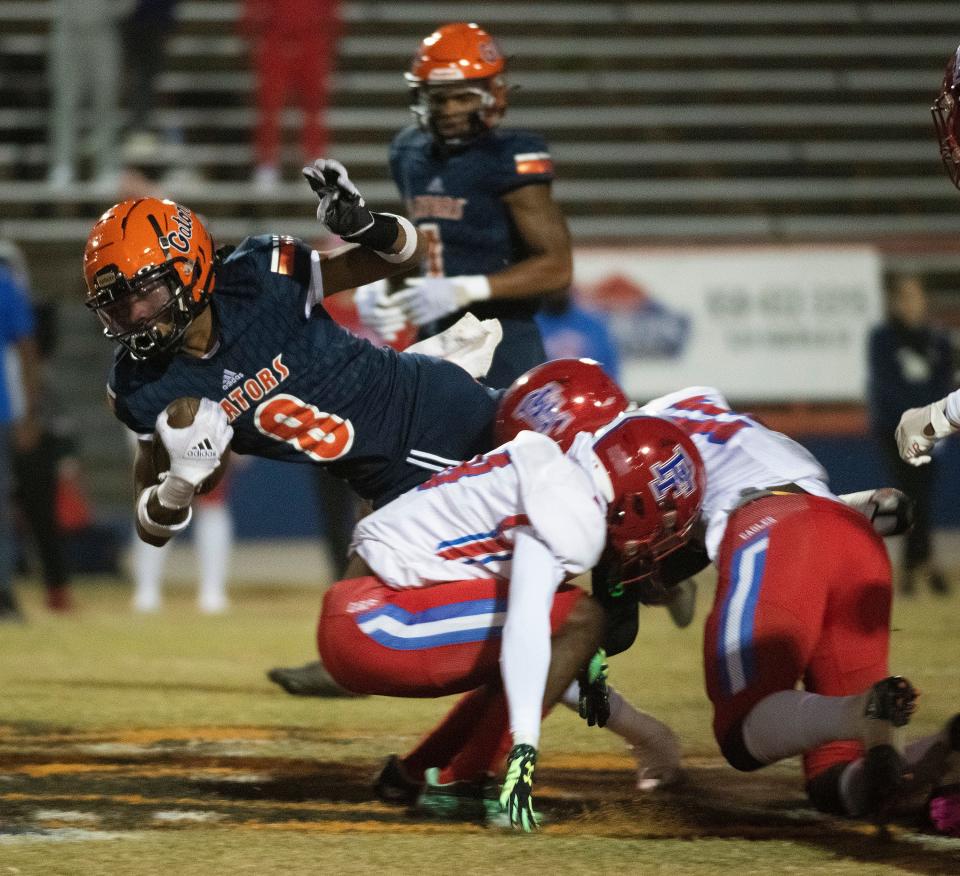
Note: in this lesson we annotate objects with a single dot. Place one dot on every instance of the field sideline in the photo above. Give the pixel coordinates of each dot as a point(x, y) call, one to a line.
point(141, 745)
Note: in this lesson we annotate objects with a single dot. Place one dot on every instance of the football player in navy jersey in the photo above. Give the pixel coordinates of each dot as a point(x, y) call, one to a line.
point(278, 377)
point(497, 240)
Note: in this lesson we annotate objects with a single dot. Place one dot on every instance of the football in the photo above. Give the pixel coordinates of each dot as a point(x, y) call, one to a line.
point(180, 414)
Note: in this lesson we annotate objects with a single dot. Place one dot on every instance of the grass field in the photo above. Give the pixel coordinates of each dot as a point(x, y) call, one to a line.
point(141, 745)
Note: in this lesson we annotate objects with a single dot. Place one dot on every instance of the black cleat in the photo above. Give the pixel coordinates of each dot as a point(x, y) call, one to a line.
point(894, 700)
point(393, 786)
point(883, 778)
point(890, 705)
point(309, 680)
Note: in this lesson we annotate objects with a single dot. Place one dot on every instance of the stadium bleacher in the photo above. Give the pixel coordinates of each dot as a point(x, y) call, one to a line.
point(719, 121)
point(673, 122)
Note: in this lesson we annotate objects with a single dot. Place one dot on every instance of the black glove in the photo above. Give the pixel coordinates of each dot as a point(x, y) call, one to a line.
point(342, 208)
point(594, 704)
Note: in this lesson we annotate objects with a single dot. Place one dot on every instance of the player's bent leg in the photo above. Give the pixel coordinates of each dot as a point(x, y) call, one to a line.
point(850, 661)
point(766, 617)
point(417, 642)
point(472, 741)
point(464, 738)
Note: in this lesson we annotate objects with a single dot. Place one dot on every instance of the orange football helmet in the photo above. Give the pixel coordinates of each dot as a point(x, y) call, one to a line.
point(149, 267)
point(459, 54)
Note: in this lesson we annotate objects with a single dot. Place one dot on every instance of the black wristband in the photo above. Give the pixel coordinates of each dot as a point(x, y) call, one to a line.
point(381, 236)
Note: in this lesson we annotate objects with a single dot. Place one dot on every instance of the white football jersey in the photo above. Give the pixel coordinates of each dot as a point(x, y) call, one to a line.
point(460, 524)
point(738, 454)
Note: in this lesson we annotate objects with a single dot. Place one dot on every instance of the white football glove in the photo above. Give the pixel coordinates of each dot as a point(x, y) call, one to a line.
point(429, 298)
point(919, 429)
point(195, 451)
point(378, 310)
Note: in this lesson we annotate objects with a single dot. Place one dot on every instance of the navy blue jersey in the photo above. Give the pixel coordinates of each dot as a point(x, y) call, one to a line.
point(456, 197)
point(299, 387)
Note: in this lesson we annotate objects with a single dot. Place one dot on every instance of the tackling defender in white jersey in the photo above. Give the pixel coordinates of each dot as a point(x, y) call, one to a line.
point(803, 595)
point(469, 570)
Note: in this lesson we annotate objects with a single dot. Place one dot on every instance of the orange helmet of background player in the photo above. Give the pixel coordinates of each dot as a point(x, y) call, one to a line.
point(149, 267)
point(946, 118)
point(459, 54)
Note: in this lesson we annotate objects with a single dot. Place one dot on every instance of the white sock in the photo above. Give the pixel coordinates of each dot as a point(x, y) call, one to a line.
point(635, 726)
point(213, 541)
point(148, 562)
point(790, 722)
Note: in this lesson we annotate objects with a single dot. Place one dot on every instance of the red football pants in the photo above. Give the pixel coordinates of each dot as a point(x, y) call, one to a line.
point(803, 595)
point(420, 642)
point(302, 63)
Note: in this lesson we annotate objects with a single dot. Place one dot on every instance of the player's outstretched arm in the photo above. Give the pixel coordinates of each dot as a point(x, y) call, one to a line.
point(388, 244)
point(891, 511)
point(920, 428)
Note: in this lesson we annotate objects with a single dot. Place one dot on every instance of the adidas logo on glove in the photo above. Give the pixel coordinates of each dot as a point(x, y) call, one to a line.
point(203, 450)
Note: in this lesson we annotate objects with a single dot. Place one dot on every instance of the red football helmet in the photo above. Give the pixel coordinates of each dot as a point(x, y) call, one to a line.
point(947, 120)
point(149, 267)
point(657, 481)
point(458, 56)
point(559, 398)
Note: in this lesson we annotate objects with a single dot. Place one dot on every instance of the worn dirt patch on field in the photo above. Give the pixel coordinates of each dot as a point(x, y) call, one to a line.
point(189, 778)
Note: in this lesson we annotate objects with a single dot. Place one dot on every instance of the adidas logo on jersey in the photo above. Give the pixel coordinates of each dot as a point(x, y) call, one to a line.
point(230, 378)
point(435, 187)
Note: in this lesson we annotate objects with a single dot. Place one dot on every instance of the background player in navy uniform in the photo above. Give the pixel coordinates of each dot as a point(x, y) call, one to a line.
point(245, 332)
point(481, 194)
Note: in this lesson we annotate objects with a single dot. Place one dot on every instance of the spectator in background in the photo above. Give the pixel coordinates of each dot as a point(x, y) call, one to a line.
point(37, 473)
point(293, 44)
point(83, 61)
point(571, 332)
point(910, 365)
point(19, 426)
point(145, 31)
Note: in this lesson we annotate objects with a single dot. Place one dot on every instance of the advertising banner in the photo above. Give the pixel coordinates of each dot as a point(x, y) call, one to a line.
point(763, 324)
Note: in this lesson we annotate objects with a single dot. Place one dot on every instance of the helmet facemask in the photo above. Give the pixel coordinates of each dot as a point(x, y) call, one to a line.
point(149, 313)
point(944, 112)
point(424, 106)
point(947, 121)
point(639, 559)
